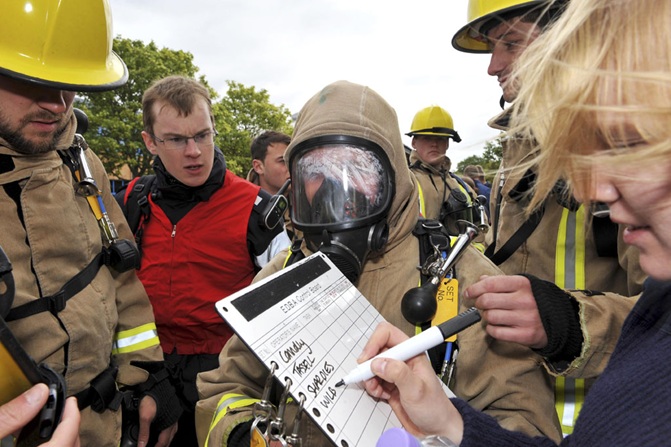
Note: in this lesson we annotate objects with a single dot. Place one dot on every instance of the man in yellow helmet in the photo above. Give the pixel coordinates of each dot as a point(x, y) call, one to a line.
point(572, 332)
point(442, 195)
point(78, 306)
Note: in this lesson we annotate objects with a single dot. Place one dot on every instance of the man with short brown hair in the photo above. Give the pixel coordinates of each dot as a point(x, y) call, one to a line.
point(201, 235)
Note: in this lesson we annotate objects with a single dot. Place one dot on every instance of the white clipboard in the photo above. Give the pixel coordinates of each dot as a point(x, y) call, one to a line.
point(313, 323)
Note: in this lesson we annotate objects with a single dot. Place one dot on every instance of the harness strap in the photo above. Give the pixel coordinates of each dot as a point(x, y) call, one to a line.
point(516, 240)
point(102, 393)
point(56, 302)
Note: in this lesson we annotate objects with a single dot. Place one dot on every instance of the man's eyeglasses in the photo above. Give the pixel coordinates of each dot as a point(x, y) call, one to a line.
point(177, 143)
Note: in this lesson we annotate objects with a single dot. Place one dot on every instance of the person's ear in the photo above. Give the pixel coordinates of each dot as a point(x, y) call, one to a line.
point(258, 167)
point(149, 142)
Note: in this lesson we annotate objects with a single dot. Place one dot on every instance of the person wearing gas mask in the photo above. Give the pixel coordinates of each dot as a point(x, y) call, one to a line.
point(78, 306)
point(443, 195)
point(356, 201)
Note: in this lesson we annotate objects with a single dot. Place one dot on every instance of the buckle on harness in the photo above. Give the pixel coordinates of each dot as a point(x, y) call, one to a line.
point(143, 200)
point(121, 255)
point(56, 302)
point(102, 393)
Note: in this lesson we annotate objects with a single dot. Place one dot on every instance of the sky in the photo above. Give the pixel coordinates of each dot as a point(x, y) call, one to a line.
point(293, 48)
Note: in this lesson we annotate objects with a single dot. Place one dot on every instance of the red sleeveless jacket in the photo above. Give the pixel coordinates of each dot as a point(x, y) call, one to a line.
point(188, 267)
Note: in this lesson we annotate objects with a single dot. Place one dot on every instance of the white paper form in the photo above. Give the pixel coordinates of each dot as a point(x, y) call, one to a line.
point(313, 323)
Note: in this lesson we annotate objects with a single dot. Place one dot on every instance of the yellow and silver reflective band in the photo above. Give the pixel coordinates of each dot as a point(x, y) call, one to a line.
point(422, 207)
point(228, 401)
point(135, 339)
point(570, 274)
point(569, 398)
point(570, 257)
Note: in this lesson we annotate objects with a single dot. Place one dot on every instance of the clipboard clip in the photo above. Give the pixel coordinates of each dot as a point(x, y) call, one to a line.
point(276, 427)
point(263, 410)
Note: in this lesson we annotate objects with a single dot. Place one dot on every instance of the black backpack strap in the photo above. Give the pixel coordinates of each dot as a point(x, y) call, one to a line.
point(7, 286)
point(517, 239)
point(517, 193)
point(134, 202)
point(56, 302)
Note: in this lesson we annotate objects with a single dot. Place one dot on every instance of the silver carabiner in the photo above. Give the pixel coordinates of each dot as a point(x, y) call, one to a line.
point(294, 440)
point(276, 427)
point(263, 410)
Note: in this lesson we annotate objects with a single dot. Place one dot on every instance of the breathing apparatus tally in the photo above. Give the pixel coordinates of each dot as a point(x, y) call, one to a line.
point(342, 190)
point(119, 254)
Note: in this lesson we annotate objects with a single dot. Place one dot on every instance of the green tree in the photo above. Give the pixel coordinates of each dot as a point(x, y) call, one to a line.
point(489, 160)
point(115, 117)
point(245, 113)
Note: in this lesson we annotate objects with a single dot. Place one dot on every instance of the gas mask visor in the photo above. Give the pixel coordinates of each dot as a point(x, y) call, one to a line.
point(339, 183)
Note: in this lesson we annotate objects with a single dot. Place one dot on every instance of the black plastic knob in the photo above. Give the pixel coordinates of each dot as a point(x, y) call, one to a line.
point(419, 304)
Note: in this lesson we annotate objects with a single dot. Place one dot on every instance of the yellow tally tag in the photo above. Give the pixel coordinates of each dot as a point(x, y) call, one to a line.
point(257, 439)
point(448, 303)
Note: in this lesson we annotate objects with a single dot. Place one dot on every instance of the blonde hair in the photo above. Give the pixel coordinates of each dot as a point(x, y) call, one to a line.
point(602, 73)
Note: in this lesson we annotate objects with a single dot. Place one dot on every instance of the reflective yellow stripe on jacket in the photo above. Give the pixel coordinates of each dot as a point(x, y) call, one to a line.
point(570, 274)
point(422, 209)
point(135, 339)
point(228, 402)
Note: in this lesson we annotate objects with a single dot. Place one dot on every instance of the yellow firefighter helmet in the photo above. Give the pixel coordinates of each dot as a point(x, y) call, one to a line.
point(65, 44)
point(433, 120)
point(480, 12)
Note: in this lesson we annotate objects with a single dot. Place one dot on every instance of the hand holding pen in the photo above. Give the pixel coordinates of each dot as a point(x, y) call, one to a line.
point(411, 387)
point(415, 345)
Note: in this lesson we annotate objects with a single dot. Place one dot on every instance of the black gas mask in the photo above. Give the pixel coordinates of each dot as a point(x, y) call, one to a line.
point(342, 189)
